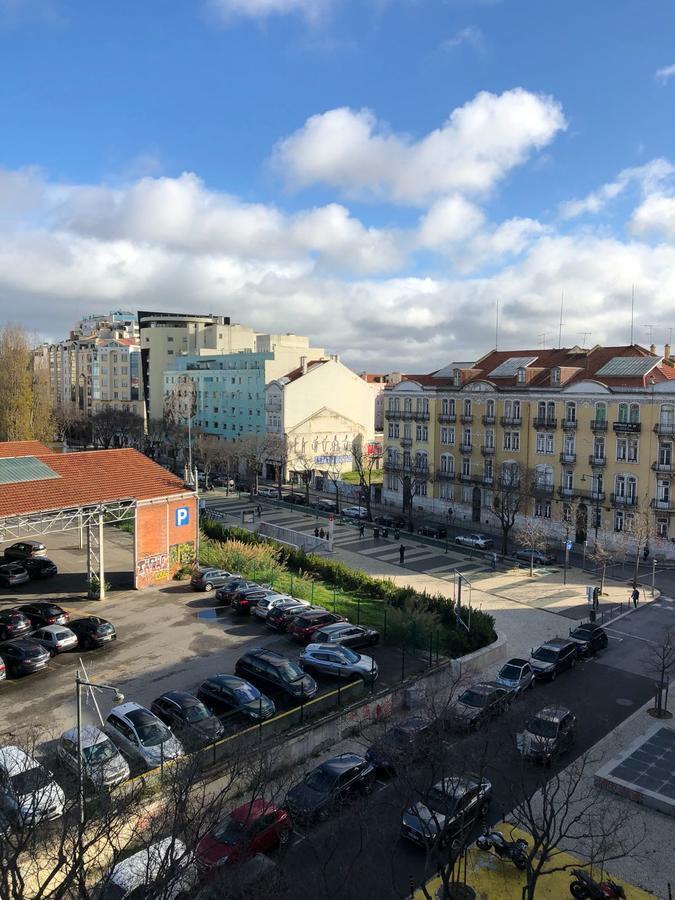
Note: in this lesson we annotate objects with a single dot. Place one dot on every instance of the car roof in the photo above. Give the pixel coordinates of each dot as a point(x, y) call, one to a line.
point(484, 687)
point(587, 626)
point(88, 620)
point(557, 642)
point(22, 642)
point(338, 628)
point(15, 760)
point(91, 735)
point(11, 566)
point(456, 785)
point(181, 698)
point(553, 713)
point(146, 864)
point(414, 723)
point(41, 604)
point(342, 763)
point(233, 681)
point(54, 629)
point(252, 810)
point(123, 709)
point(317, 648)
point(312, 613)
point(263, 653)
point(516, 661)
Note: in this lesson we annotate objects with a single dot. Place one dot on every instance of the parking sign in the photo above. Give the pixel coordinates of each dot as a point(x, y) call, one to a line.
point(182, 516)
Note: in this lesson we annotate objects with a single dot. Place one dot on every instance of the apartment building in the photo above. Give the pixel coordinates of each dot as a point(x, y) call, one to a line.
point(592, 430)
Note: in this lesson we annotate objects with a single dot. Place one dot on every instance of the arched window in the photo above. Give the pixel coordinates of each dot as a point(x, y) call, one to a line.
point(421, 459)
point(667, 415)
point(570, 412)
point(623, 412)
point(516, 409)
point(447, 463)
point(490, 408)
point(600, 412)
point(541, 409)
point(407, 405)
point(634, 413)
point(550, 411)
point(444, 407)
point(467, 406)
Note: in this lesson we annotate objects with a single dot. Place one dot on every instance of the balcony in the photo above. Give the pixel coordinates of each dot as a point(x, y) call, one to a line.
point(465, 448)
point(487, 451)
point(466, 419)
point(663, 505)
point(569, 459)
point(390, 466)
point(466, 478)
point(406, 442)
point(666, 428)
point(623, 500)
point(510, 421)
point(508, 484)
point(447, 418)
point(566, 492)
point(487, 479)
point(421, 416)
point(542, 489)
point(597, 460)
point(273, 406)
point(598, 424)
point(627, 427)
point(544, 422)
point(392, 414)
point(442, 475)
point(663, 468)
point(488, 420)
point(420, 471)
point(569, 424)
point(407, 415)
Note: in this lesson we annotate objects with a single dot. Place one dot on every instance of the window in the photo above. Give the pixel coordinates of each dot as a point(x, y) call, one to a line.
point(407, 432)
point(466, 466)
point(488, 471)
point(555, 375)
point(466, 438)
point(568, 480)
point(545, 442)
point(422, 433)
point(421, 459)
point(447, 463)
point(490, 408)
point(628, 449)
point(392, 483)
point(467, 407)
point(510, 473)
point(457, 374)
point(490, 439)
point(629, 412)
point(662, 526)
point(407, 405)
point(541, 410)
point(623, 521)
point(570, 412)
point(516, 409)
point(599, 448)
point(663, 491)
point(567, 513)
point(422, 405)
point(466, 494)
point(447, 435)
point(393, 404)
point(511, 440)
point(667, 415)
point(570, 445)
point(666, 454)
point(520, 375)
point(543, 476)
point(542, 509)
point(422, 489)
point(445, 490)
point(600, 412)
point(596, 517)
point(625, 486)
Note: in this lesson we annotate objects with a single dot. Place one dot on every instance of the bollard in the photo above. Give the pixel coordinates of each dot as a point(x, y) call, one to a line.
point(358, 610)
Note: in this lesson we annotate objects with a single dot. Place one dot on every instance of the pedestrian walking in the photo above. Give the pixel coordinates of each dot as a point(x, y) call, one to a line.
point(362, 530)
point(401, 554)
point(596, 597)
point(316, 532)
point(259, 511)
point(645, 552)
point(635, 596)
point(397, 534)
point(493, 561)
point(322, 533)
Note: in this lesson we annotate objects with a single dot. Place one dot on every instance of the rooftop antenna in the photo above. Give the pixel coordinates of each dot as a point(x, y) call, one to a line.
point(560, 327)
point(542, 337)
point(632, 313)
point(584, 335)
point(497, 327)
point(650, 329)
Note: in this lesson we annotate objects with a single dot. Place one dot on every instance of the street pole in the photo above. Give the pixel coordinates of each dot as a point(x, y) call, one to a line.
point(198, 518)
point(567, 555)
point(80, 773)
point(653, 573)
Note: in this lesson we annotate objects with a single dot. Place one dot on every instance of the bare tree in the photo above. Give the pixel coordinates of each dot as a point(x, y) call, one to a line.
point(305, 466)
point(333, 473)
point(533, 537)
point(70, 423)
point(365, 464)
point(414, 477)
point(604, 554)
point(642, 533)
point(253, 450)
point(659, 663)
point(515, 487)
point(117, 427)
point(277, 449)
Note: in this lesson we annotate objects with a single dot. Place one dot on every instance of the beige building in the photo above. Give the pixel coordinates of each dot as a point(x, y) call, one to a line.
point(321, 407)
point(591, 430)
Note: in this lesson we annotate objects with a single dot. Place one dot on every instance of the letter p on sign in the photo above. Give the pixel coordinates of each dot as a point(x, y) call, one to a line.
point(182, 516)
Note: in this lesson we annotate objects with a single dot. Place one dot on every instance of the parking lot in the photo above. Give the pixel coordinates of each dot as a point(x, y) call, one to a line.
point(168, 638)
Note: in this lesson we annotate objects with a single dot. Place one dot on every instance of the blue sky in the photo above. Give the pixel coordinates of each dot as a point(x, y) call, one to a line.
point(375, 173)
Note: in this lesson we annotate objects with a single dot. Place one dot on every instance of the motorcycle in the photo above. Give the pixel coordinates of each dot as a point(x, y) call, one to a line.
point(585, 888)
point(516, 851)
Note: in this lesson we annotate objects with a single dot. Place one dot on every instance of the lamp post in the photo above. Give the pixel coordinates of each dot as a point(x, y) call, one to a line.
point(119, 697)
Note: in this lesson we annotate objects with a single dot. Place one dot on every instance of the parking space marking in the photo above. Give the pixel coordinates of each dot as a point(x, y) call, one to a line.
point(298, 837)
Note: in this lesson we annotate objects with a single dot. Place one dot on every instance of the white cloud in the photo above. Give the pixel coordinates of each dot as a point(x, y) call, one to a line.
point(470, 35)
point(655, 214)
point(648, 177)
point(450, 220)
point(470, 153)
point(230, 10)
point(665, 74)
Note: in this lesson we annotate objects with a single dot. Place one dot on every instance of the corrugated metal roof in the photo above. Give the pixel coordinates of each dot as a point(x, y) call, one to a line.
point(14, 470)
point(510, 366)
point(630, 366)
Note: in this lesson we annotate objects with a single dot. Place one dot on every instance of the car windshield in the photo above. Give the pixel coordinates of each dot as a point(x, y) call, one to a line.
point(104, 629)
point(30, 780)
point(195, 712)
point(229, 832)
point(544, 654)
point(100, 753)
point(582, 633)
point(152, 733)
point(289, 671)
point(542, 727)
point(31, 652)
point(473, 698)
point(320, 780)
point(348, 655)
point(62, 635)
point(440, 802)
point(511, 673)
point(246, 693)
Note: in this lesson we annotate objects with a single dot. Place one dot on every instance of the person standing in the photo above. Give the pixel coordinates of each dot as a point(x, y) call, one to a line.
point(635, 596)
point(596, 597)
point(401, 554)
point(645, 552)
point(493, 561)
point(362, 529)
point(259, 511)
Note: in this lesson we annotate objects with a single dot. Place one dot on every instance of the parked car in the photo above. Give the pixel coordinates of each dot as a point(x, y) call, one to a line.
point(193, 724)
point(254, 827)
point(589, 639)
point(55, 638)
point(329, 785)
point(326, 505)
point(337, 661)
point(479, 541)
point(230, 694)
point(401, 745)
point(259, 876)
point(141, 736)
point(449, 809)
point(102, 763)
point(440, 532)
point(551, 731)
point(479, 703)
point(13, 574)
point(516, 675)
point(44, 613)
point(13, 624)
point(347, 635)
point(538, 557)
point(207, 579)
point(166, 863)
point(23, 656)
point(390, 521)
point(276, 674)
point(227, 591)
point(3, 675)
point(553, 657)
point(266, 604)
point(93, 631)
point(245, 601)
point(28, 792)
point(355, 512)
point(39, 567)
point(306, 623)
point(265, 490)
point(24, 549)
point(283, 613)
point(296, 499)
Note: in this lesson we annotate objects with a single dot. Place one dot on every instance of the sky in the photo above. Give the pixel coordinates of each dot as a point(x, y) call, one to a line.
point(381, 175)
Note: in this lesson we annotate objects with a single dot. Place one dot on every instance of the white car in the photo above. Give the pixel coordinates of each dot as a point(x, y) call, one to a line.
point(267, 491)
point(141, 735)
point(479, 541)
point(265, 604)
point(165, 864)
point(55, 638)
point(102, 763)
point(355, 512)
point(28, 792)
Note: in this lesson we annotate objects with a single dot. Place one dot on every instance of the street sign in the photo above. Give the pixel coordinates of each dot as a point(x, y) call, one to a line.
point(568, 545)
point(182, 516)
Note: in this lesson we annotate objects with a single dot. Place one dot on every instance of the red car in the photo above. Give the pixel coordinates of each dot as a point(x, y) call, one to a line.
point(255, 827)
point(303, 626)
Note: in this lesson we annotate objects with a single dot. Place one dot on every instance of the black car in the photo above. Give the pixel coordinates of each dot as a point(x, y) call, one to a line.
point(244, 601)
point(39, 567)
point(296, 499)
point(478, 703)
point(13, 574)
point(44, 613)
point(347, 635)
point(24, 656)
point(227, 592)
point(276, 674)
point(551, 731)
point(13, 624)
point(207, 579)
point(553, 657)
point(538, 557)
point(402, 744)
point(447, 810)
point(93, 631)
point(433, 531)
point(589, 638)
point(229, 694)
point(330, 785)
point(390, 521)
point(282, 615)
point(24, 549)
point(192, 723)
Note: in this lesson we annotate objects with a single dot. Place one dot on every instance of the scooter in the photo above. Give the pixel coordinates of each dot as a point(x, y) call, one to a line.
point(585, 888)
point(516, 851)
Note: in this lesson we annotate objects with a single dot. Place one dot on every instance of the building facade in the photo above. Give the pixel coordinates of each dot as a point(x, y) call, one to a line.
point(592, 431)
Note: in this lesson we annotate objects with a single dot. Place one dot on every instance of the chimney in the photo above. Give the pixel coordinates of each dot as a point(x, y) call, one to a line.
point(666, 351)
point(652, 349)
point(303, 364)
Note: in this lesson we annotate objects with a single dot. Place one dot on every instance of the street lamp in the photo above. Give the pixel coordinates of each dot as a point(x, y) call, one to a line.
point(118, 697)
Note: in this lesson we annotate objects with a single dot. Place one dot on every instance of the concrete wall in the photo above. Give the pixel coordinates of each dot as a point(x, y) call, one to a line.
point(161, 545)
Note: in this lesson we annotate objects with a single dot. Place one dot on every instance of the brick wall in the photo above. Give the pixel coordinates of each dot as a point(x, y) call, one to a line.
point(164, 541)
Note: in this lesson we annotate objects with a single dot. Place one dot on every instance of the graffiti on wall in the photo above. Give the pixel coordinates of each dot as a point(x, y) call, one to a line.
point(153, 568)
point(181, 555)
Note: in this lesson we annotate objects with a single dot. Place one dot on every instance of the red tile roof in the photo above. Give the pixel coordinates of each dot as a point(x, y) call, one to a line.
point(294, 374)
point(10, 449)
point(92, 476)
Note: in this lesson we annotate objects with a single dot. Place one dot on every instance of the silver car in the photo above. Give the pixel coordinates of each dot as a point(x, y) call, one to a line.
point(28, 792)
point(102, 763)
point(140, 735)
point(265, 604)
point(516, 675)
point(55, 638)
point(341, 662)
point(479, 541)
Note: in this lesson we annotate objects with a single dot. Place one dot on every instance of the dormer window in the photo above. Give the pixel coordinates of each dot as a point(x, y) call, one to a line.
point(457, 374)
point(555, 376)
point(520, 375)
